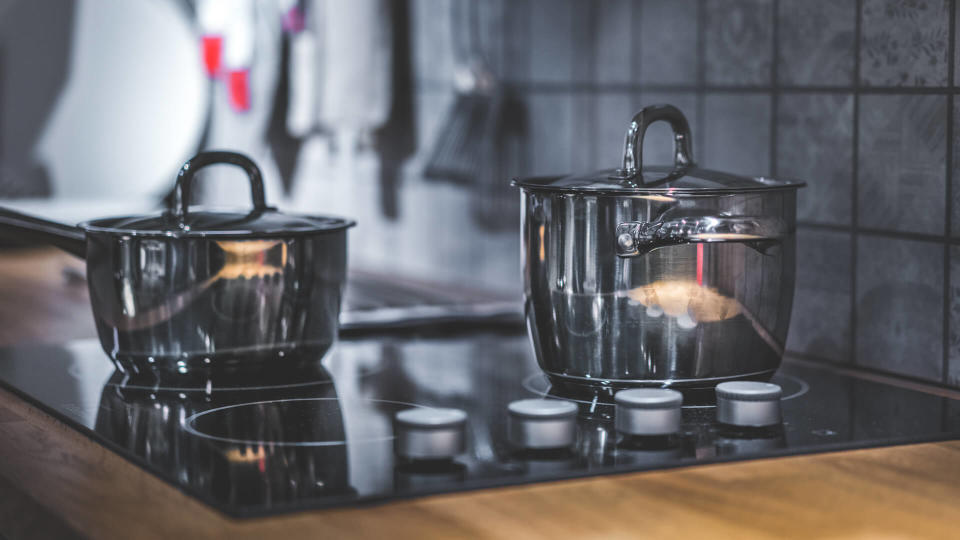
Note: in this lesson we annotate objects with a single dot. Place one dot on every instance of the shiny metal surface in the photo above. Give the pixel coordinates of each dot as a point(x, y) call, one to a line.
point(677, 289)
point(542, 423)
point(189, 303)
point(748, 404)
point(430, 433)
point(648, 411)
point(181, 297)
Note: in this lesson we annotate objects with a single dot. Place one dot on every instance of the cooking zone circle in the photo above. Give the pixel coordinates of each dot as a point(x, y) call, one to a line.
point(295, 422)
point(539, 384)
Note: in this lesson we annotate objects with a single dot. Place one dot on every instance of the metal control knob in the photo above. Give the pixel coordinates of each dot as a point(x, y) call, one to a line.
point(426, 433)
point(748, 403)
point(539, 424)
point(648, 411)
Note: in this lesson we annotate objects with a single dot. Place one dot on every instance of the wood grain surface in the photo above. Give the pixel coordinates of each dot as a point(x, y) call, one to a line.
point(56, 482)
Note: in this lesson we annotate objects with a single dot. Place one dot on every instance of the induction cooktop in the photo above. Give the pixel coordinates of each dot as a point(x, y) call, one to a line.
point(324, 436)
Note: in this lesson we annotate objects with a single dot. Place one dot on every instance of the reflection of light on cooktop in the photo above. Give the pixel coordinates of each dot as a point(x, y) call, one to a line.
point(539, 384)
point(209, 387)
point(275, 381)
point(293, 422)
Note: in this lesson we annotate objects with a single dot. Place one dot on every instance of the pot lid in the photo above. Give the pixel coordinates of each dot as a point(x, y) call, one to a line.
point(634, 177)
point(180, 220)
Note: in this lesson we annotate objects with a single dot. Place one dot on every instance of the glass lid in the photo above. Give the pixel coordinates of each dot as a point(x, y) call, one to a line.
point(634, 177)
point(180, 220)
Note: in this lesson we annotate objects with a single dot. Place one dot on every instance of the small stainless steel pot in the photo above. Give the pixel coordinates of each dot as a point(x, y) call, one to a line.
point(201, 290)
point(656, 275)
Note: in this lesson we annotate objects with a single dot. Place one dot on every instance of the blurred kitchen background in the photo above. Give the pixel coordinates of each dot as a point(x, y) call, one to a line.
point(411, 116)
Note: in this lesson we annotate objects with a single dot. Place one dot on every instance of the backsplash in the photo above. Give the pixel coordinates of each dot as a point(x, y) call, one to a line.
point(855, 97)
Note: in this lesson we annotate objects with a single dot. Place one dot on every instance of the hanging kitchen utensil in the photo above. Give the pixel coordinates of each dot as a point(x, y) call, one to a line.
point(201, 290)
point(664, 276)
point(462, 145)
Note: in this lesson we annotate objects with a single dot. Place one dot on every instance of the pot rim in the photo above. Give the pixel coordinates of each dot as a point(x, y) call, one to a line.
point(103, 226)
point(532, 183)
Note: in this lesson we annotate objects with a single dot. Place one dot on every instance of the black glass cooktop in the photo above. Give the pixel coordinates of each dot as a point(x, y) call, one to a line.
point(324, 437)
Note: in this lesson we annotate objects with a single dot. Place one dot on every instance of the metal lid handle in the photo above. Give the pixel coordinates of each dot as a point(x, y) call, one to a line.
point(181, 192)
point(633, 145)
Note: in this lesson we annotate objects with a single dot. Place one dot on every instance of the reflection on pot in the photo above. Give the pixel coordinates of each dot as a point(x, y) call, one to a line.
point(686, 301)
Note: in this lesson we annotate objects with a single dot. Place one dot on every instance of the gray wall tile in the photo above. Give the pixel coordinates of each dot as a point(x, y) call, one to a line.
point(900, 306)
point(613, 113)
point(817, 39)
point(902, 163)
point(953, 373)
point(613, 34)
point(551, 125)
point(737, 133)
point(583, 57)
point(668, 41)
point(581, 147)
point(431, 38)
point(956, 48)
point(516, 40)
point(739, 42)
point(815, 144)
point(955, 173)
point(490, 21)
point(904, 42)
point(658, 144)
point(820, 325)
point(551, 49)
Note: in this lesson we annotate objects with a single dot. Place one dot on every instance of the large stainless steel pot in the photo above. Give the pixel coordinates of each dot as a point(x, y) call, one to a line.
point(191, 290)
point(656, 275)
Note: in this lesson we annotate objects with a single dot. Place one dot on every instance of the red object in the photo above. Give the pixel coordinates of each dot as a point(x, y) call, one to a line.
point(238, 88)
point(212, 54)
point(700, 264)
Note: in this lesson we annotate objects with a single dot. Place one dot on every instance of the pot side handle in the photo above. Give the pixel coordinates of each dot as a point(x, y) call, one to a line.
point(636, 238)
point(18, 227)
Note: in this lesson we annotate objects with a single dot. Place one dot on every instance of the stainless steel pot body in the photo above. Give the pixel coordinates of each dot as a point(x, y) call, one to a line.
point(193, 291)
point(182, 304)
point(681, 290)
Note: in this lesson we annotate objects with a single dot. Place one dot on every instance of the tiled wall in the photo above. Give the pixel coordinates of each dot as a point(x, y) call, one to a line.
point(854, 96)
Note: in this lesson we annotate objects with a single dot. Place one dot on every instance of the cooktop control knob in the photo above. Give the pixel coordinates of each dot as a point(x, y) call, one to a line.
point(748, 403)
point(425, 433)
point(540, 424)
point(648, 411)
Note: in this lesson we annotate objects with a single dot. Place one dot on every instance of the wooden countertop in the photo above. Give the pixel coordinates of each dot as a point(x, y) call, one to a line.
point(56, 482)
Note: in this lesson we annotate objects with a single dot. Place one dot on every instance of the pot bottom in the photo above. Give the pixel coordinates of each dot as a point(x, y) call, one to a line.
point(222, 364)
point(604, 389)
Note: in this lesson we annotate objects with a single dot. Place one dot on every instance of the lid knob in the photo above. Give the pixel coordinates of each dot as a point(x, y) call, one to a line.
point(633, 143)
point(648, 411)
point(430, 434)
point(542, 423)
point(748, 403)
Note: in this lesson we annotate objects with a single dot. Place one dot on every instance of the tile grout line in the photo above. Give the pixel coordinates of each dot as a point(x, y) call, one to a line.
point(854, 184)
point(775, 93)
point(613, 87)
point(948, 218)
